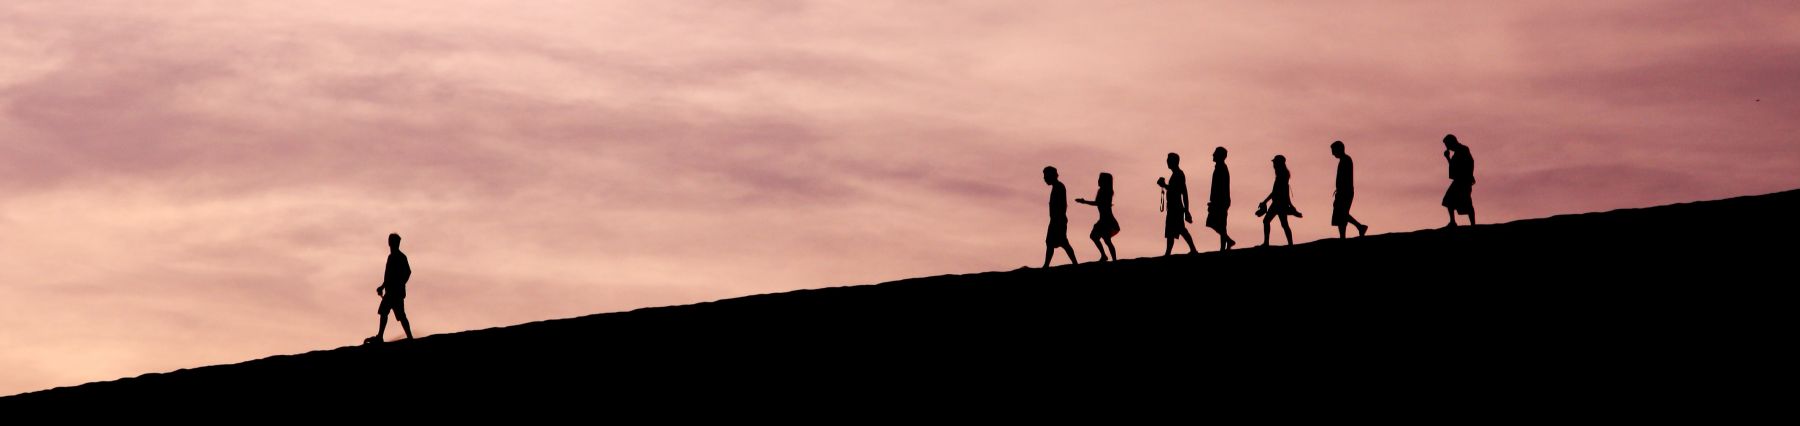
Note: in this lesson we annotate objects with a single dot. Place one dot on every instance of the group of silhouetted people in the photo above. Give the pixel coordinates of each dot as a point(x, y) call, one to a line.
point(1278, 205)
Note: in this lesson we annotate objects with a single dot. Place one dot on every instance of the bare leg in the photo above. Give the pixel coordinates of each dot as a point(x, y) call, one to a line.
point(1286, 231)
point(1190, 242)
point(1102, 248)
point(1071, 251)
point(1115, 250)
point(1169, 247)
point(1340, 232)
point(1361, 229)
point(1266, 219)
point(1452, 213)
point(381, 332)
point(404, 324)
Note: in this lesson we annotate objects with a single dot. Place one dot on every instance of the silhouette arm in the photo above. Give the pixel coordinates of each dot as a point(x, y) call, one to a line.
point(1186, 213)
point(1083, 201)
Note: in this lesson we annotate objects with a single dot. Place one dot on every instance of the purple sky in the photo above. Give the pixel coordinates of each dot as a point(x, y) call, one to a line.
point(186, 183)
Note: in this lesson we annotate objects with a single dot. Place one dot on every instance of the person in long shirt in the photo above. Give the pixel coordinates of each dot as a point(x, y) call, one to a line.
point(1459, 198)
point(1058, 235)
point(1219, 200)
point(1346, 191)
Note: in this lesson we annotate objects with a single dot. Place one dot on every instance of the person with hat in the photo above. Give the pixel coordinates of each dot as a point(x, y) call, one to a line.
point(1280, 202)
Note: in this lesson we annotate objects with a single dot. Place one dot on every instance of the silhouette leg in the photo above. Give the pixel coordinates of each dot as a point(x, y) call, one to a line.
point(1266, 219)
point(382, 330)
point(1102, 248)
point(1471, 217)
point(400, 314)
point(1115, 250)
point(1071, 251)
point(1225, 241)
point(1286, 231)
point(1361, 229)
point(1048, 252)
point(1169, 247)
point(1340, 231)
point(1190, 241)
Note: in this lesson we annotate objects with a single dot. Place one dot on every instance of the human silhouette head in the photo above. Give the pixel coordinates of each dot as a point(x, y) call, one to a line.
point(1174, 161)
point(394, 241)
point(1337, 149)
point(1450, 142)
point(1105, 180)
point(1280, 163)
point(1049, 175)
point(1218, 154)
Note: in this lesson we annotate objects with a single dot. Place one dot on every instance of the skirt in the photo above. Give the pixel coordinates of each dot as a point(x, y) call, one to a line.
point(1458, 197)
point(1106, 228)
point(1282, 207)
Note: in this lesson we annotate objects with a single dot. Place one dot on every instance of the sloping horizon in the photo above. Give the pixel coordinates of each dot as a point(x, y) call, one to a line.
point(1448, 318)
point(891, 307)
point(198, 182)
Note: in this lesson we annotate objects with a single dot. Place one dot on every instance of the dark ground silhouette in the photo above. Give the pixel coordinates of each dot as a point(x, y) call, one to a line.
point(1572, 317)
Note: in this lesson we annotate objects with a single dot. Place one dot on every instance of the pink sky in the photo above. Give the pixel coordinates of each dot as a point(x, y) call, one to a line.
point(185, 183)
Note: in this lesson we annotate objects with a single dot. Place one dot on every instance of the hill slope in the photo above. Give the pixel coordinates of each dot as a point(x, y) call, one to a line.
point(1633, 308)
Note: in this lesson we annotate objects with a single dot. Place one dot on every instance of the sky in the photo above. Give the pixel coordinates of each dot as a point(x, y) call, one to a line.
point(186, 183)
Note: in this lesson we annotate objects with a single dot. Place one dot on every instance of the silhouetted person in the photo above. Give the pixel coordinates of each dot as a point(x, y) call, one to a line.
point(1220, 200)
point(1346, 191)
point(1458, 199)
point(1059, 219)
point(1107, 226)
point(1279, 203)
point(1175, 203)
point(393, 290)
